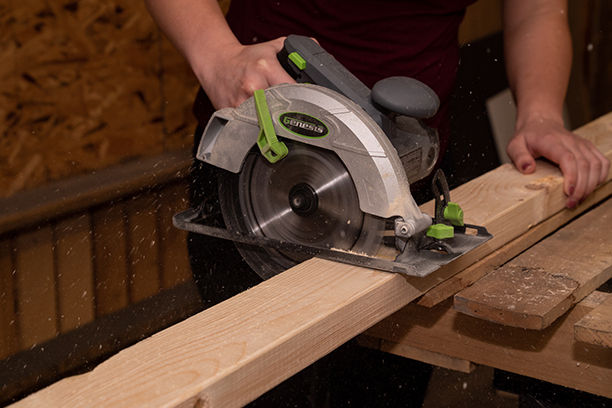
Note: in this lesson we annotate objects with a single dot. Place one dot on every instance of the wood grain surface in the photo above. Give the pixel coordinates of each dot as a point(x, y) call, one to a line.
point(596, 327)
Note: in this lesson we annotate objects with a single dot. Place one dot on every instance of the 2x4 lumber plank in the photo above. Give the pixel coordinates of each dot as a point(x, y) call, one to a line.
point(55, 199)
point(596, 327)
point(551, 354)
point(36, 286)
point(233, 352)
point(535, 288)
point(497, 258)
point(75, 276)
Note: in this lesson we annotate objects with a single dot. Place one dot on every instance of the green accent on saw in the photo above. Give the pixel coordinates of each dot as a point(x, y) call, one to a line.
point(440, 231)
point(298, 60)
point(454, 214)
point(269, 145)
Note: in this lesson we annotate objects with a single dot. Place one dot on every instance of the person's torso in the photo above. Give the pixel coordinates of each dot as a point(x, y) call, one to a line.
point(373, 39)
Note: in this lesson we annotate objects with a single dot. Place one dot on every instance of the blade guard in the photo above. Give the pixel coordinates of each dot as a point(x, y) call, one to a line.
point(344, 127)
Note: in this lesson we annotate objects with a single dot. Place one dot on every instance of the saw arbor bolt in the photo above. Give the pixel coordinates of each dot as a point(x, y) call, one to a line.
point(303, 199)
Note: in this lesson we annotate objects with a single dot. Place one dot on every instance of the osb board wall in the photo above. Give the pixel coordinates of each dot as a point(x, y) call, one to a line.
point(85, 84)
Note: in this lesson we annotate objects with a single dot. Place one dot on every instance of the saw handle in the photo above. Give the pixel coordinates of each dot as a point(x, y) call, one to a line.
point(306, 61)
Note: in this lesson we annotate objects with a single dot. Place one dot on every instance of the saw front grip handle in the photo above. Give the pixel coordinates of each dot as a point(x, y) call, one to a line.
point(306, 61)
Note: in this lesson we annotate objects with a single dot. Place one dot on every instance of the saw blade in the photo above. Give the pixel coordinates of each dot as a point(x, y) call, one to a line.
point(307, 198)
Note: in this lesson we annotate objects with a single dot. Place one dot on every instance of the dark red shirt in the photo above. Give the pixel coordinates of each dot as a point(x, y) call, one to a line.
point(373, 39)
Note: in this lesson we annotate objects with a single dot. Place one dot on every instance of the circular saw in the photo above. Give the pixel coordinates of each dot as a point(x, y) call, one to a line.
point(323, 168)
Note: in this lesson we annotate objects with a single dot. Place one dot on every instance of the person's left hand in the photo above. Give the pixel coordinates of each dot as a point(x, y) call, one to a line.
point(583, 166)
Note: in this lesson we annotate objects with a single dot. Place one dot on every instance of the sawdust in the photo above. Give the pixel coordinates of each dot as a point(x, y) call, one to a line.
point(545, 183)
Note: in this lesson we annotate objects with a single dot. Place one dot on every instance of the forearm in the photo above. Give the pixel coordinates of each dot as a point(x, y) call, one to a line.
point(197, 28)
point(538, 60)
point(538, 56)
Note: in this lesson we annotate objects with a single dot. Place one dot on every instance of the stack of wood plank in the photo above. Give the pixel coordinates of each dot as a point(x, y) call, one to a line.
point(233, 352)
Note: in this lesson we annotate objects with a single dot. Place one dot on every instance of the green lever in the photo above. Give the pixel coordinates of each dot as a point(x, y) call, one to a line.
point(454, 214)
point(440, 231)
point(269, 145)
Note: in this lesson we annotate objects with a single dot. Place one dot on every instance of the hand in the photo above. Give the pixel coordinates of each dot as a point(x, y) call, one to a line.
point(582, 165)
point(237, 72)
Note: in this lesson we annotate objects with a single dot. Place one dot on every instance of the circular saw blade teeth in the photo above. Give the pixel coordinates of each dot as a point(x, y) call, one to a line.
point(258, 201)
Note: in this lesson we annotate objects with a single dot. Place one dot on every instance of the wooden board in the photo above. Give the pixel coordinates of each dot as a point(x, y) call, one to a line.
point(550, 354)
point(415, 353)
point(143, 244)
point(110, 259)
point(36, 294)
point(9, 341)
point(497, 258)
point(233, 352)
point(75, 275)
point(541, 284)
point(174, 258)
point(31, 207)
point(596, 327)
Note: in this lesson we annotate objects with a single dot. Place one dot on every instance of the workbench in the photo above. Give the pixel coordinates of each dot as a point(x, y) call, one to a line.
point(234, 351)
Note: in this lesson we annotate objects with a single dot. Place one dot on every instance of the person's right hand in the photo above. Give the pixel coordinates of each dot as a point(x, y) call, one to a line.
point(236, 72)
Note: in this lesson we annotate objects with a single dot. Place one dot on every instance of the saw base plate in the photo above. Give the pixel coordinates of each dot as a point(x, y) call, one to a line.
point(412, 262)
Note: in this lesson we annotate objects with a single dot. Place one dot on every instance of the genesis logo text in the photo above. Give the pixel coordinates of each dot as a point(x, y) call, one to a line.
point(303, 125)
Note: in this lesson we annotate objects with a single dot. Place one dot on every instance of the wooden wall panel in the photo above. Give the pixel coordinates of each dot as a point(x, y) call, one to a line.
point(110, 259)
point(36, 286)
point(8, 318)
point(75, 279)
point(173, 242)
point(143, 247)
